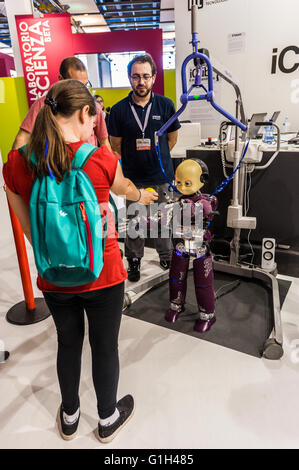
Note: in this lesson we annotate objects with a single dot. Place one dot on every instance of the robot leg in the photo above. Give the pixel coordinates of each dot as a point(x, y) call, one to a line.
point(177, 285)
point(204, 290)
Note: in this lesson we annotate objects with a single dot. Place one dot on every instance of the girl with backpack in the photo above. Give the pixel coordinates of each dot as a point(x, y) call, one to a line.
point(62, 126)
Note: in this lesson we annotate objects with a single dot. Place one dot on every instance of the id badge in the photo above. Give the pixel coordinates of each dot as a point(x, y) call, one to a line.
point(143, 144)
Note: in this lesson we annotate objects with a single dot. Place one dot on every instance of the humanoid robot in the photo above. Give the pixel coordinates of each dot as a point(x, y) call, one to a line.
point(193, 241)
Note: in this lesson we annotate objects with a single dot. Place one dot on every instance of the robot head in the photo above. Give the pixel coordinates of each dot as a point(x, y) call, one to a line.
point(191, 175)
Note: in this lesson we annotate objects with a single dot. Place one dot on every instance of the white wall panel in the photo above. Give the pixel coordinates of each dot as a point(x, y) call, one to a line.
point(265, 24)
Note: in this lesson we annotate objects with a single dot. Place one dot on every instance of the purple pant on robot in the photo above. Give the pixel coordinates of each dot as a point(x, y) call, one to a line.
point(204, 289)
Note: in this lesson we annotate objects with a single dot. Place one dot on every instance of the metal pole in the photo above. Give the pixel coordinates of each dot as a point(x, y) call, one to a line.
point(235, 242)
point(32, 310)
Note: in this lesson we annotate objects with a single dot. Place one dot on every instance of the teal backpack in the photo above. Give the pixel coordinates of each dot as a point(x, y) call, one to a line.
point(67, 232)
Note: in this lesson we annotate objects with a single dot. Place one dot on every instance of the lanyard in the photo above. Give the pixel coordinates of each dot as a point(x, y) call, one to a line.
point(145, 120)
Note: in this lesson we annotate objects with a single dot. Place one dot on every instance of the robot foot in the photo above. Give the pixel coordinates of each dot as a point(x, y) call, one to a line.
point(172, 315)
point(202, 326)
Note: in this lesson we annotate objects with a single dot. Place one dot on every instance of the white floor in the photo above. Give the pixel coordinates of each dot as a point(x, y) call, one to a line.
point(189, 393)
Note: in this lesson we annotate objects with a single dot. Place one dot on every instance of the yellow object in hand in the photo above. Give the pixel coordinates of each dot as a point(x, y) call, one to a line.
point(150, 189)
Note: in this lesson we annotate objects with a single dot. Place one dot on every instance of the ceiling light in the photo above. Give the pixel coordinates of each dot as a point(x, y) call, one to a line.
point(96, 29)
point(83, 6)
point(90, 20)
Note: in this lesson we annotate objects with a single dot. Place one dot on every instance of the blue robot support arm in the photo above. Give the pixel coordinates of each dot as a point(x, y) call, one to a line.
point(208, 96)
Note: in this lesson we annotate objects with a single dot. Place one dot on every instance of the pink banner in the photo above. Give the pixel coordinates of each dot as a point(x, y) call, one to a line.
point(44, 43)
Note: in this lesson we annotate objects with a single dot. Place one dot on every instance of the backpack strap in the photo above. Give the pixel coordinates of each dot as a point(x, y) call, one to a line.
point(111, 201)
point(83, 154)
point(79, 161)
point(23, 152)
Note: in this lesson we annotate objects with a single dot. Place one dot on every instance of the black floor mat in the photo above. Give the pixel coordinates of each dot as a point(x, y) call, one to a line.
point(243, 312)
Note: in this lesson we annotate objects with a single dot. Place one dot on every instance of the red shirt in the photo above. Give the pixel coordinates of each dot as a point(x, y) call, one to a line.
point(99, 130)
point(100, 168)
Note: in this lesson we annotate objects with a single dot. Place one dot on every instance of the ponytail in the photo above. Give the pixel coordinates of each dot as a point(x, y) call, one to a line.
point(46, 141)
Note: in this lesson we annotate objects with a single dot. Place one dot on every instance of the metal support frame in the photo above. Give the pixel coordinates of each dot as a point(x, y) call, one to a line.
point(132, 291)
point(273, 345)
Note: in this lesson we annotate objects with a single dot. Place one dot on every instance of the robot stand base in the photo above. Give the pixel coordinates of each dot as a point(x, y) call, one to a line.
point(20, 315)
point(153, 281)
point(273, 346)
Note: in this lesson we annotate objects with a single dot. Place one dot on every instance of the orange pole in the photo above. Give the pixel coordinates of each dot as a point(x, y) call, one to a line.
point(22, 259)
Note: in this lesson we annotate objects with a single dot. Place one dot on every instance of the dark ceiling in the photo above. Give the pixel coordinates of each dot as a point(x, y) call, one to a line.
point(118, 14)
point(130, 14)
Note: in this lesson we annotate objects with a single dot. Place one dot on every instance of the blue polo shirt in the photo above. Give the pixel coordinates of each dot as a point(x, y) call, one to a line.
point(142, 166)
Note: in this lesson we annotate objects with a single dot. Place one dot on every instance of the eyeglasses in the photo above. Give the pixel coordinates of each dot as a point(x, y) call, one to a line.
point(138, 78)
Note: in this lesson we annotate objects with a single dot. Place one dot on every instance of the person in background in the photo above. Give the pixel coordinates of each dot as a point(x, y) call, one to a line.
point(100, 100)
point(133, 122)
point(71, 67)
point(108, 109)
point(67, 120)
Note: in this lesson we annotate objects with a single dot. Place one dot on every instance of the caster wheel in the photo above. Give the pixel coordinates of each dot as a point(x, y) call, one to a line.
point(272, 350)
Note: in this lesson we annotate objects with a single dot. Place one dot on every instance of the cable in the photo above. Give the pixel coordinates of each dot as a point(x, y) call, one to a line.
point(220, 256)
point(162, 169)
point(236, 284)
point(224, 183)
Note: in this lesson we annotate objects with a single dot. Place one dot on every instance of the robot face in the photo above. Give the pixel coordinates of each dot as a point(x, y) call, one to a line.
point(188, 177)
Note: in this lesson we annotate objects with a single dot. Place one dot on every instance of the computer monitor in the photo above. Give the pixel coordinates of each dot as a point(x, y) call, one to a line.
point(253, 129)
point(275, 116)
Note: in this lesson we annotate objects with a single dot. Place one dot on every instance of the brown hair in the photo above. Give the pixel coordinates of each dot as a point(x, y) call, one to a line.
point(65, 98)
point(143, 58)
point(70, 63)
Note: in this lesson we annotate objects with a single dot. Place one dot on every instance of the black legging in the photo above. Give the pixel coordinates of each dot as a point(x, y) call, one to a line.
point(103, 309)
